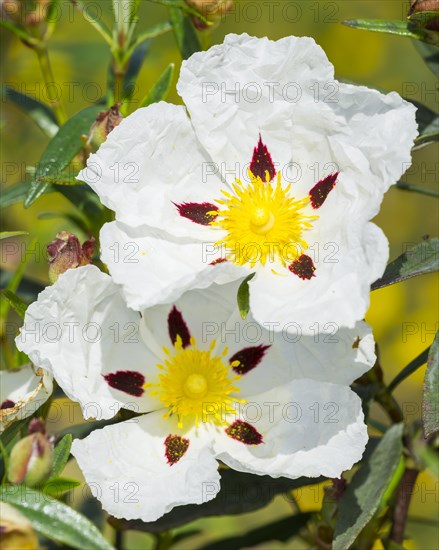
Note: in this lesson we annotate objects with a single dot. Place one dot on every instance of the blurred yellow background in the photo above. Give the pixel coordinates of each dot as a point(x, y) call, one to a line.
point(404, 317)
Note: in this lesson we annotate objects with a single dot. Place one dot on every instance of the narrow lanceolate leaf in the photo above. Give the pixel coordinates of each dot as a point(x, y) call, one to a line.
point(244, 296)
point(430, 400)
point(61, 455)
point(14, 301)
point(364, 493)
point(60, 151)
point(185, 34)
point(17, 193)
point(7, 234)
point(240, 493)
point(40, 113)
point(430, 55)
point(422, 258)
point(53, 519)
point(59, 486)
point(161, 88)
point(281, 530)
point(428, 120)
point(426, 139)
point(390, 26)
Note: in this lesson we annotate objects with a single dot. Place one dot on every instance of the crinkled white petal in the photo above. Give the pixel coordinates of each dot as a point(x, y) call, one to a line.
point(80, 329)
point(127, 467)
point(152, 269)
point(247, 86)
point(28, 388)
point(309, 428)
point(149, 162)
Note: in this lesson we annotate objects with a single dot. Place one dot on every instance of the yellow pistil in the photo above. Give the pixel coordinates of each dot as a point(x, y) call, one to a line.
point(196, 385)
point(263, 222)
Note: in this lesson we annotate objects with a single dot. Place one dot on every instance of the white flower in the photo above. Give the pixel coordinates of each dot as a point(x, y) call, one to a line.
point(22, 392)
point(215, 387)
point(321, 153)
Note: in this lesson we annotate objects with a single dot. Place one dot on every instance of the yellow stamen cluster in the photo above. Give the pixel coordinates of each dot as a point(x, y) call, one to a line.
point(195, 385)
point(263, 222)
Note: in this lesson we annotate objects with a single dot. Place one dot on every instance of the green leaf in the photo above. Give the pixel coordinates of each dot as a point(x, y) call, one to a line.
point(135, 63)
point(430, 54)
point(14, 301)
point(57, 487)
point(412, 367)
point(422, 258)
point(430, 400)
point(17, 193)
point(244, 296)
point(423, 17)
point(61, 150)
point(94, 20)
point(154, 31)
point(425, 139)
point(185, 34)
point(428, 120)
point(21, 33)
point(161, 88)
point(40, 113)
point(61, 455)
point(7, 234)
point(416, 189)
point(53, 519)
point(240, 493)
point(363, 495)
point(281, 530)
point(391, 26)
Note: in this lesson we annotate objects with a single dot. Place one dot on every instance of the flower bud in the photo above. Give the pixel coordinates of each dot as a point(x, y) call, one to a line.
point(31, 458)
point(422, 6)
point(16, 530)
point(104, 123)
point(212, 10)
point(66, 252)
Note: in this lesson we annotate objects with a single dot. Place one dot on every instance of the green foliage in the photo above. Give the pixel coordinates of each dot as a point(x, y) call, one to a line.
point(430, 55)
point(161, 88)
point(17, 193)
point(281, 530)
point(185, 34)
point(396, 26)
point(422, 258)
point(58, 486)
point(60, 151)
point(7, 234)
point(61, 455)
point(430, 402)
point(53, 519)
point(364, 493)
point(244, 296)
point(14, 301)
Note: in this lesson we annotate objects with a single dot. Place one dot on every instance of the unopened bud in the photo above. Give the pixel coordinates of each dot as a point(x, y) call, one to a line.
point(31, 458)
point(66, 252)
point(16, 530)
point(211, 10)
point(105, 122)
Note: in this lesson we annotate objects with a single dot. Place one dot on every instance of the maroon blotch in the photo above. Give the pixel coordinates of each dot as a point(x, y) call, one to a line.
point(7, 404)
point(197, 212)
point(128, 381)
point(321, 190)
point(244, 432)
point(218, 261)
point(303, 267)
point(177, 327)
point(248, 358)
point(261, 162)
point(175, 446)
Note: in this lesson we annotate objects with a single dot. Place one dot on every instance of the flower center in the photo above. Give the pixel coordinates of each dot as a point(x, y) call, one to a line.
point(263, 222)
point(195, 384)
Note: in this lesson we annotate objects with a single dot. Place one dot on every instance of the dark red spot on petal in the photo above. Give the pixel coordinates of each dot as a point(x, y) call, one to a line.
point(128, 381)
point(356, 343)
point(218, 261)
point(248, 358)
point(177, 327)
point(321, 190)
point(244, 432)
point(197, 212)
point(261, 162)
point(175, 446)
point(7, 404)
point(303, 267)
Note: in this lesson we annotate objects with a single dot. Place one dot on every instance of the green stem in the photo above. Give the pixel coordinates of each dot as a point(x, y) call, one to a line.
point(383, 395)
point(46, 69)
point(415, 189)
point(5, 462)
point(412, 367)
point(400, 510)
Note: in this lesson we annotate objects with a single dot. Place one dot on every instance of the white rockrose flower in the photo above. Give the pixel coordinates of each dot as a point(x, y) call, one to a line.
point(207, 385)
point(275, 168)
point(22, 392)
